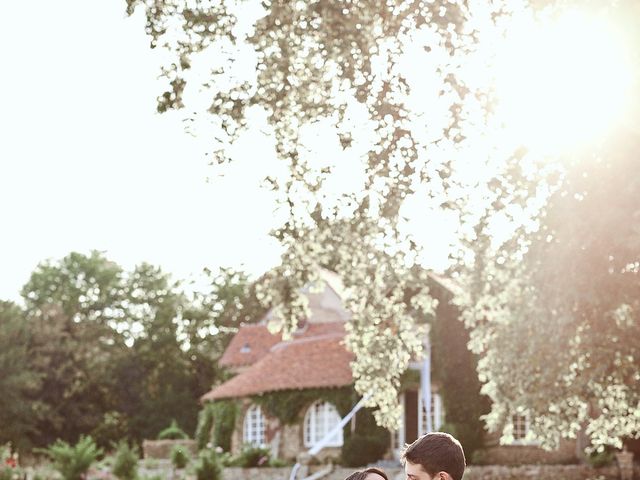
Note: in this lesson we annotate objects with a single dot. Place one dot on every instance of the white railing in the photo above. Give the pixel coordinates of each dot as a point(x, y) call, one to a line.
point(323, 442)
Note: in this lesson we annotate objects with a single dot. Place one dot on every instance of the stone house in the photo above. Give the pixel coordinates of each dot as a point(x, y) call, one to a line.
point(315, 358)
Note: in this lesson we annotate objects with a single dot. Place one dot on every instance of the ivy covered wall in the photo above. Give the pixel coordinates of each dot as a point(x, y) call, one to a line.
point(454, 369)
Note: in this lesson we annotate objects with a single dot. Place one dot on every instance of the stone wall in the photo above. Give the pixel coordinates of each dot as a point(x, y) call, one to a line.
point(526, 454)
point(291, 443)
point(235, 473)
point(162, 448)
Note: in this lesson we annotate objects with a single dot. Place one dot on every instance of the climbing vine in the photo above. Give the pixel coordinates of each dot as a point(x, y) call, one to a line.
point(216, 422)
point(455, 370)
point(286, 405)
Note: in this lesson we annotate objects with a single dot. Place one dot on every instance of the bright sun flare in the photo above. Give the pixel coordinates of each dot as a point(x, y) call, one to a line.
point(563, 82)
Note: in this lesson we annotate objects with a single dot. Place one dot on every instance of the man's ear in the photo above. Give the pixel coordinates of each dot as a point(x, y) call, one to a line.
point(443, 476)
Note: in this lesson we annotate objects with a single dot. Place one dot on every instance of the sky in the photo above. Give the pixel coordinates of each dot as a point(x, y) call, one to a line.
point(87, 163)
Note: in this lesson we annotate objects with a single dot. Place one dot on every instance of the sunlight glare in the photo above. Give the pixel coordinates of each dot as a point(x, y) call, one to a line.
point(562, 82)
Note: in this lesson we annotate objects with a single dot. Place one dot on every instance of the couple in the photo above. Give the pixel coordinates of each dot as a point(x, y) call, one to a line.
point(434, 456)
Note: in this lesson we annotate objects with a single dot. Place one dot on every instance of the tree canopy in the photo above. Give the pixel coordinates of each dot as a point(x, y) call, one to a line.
point(112, 353)
point(352, 65)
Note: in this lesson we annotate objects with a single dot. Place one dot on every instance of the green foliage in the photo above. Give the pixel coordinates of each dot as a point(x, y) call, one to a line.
point(576, 276)
point(278, 463)
point(224, 417)
point(71, 305)
point(346, 66)
point(208, 466)
point(9, 468)
point(205, 426)
point(367, 444)
point(455, 369)
point(359, 450)
point(555, 312)
point(179, 457)
point(287, 405)
point(73, 462)
point(125, 463)
point(96, 350)
point(113, 428)
point(602, 458)
point(172, 432)
point(251, 456)
point(20, 408)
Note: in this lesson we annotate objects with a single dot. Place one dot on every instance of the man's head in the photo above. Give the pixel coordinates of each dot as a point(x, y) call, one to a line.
point(434, 456)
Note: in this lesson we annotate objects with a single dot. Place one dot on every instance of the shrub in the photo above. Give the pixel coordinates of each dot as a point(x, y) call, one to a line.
point(112, 428)
point(602, 458)
point(172, 432)
point(125, 464)
point(208, 466)
point(205, 424)
point(227, 460)
point(179, 457)
point(251, 456)
point(278, 462)
point(359, 450)
point(73, 461)
point(367, 443)
point(8, 463)
point(224, 414)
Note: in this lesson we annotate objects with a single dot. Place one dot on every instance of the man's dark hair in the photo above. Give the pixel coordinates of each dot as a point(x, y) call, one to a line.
point(436, 452)
point(362, 474)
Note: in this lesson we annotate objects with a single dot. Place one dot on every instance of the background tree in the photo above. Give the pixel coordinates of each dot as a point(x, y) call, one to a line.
point(556, 318)
point(345, 65)
point(336, 62)
point(73, 306)
point(19, 407)
point(113, 353)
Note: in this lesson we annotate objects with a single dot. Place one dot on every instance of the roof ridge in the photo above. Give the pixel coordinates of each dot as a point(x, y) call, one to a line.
point(296, 341)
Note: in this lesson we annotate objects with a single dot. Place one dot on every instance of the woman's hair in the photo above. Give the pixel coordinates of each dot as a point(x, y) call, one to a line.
point(362, 474)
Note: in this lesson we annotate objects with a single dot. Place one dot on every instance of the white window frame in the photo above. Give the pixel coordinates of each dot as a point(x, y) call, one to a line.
point(437, 413)
point(517, 421)
point(320, 419)
point(253, 429)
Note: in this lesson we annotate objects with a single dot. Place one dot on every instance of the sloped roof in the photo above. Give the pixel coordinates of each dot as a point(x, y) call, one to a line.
point(250, 344)
point(315, 359)
point(253, 342)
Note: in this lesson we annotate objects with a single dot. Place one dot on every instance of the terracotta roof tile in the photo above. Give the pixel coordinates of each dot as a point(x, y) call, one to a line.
point(314, 360)
point(252, 342)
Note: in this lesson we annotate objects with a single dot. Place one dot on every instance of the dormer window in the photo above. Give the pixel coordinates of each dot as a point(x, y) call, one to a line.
point(302, 327)
point(245, 348)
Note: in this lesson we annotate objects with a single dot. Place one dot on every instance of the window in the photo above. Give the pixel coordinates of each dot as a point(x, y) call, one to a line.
point(253, 429)
point(520, 425)
point(519, 432)
point(320, 419)
point(437, 413)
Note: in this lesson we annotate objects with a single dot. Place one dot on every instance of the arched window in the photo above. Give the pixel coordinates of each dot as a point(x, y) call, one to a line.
point(253, 429)
point(320, 419)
